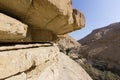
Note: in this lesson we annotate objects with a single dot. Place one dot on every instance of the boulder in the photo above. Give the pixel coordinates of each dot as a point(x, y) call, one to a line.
point(11, 29)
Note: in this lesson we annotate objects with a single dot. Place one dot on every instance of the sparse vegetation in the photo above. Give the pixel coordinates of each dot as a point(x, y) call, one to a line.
point(97, 74)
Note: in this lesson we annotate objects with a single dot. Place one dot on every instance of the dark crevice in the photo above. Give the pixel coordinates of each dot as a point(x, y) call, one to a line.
point(22, 43)
point(11, 76)
point(10, 14)
point(30, 69)
point(18, 48)
point(47, 61)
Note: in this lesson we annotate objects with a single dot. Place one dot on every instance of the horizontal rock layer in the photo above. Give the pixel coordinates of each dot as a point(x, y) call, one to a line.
point(55, 16)
point(11, 29)
point(38, 62)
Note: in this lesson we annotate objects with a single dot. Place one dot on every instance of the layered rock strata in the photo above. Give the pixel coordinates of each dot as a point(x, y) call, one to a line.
point(11, 29)
point(38, 62)
point(44, 18)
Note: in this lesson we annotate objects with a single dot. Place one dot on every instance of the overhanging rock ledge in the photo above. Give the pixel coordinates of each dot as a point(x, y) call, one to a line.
point(44, 17)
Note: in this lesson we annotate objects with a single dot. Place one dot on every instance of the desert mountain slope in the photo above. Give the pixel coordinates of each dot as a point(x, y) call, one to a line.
point(102, 47)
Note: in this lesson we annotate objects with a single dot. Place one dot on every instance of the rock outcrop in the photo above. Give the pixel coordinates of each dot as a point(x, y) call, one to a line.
point(11, 29)
point(69, 46)
point(102, 48)
point(44, 18)
point(68, 42)
point(38, 62)
point(28, 32)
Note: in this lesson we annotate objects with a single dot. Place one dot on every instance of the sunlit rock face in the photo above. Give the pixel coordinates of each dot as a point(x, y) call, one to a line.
point(102, 47)
point(11, 29)
point(38, 62)
point(28, 29)
point(44, 18)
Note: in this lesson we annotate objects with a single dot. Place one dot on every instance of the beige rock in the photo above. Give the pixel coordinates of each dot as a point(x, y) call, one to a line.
point(64, 69)
point(69, 46)
point(70, 70)
point(15, 61)
point(38, 62)
point(79, 19)
point(68, 42)
point(51, 72)
point(50, 15)
point(11, 29)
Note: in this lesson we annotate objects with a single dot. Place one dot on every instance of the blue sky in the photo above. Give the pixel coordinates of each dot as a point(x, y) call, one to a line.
point(98, 13)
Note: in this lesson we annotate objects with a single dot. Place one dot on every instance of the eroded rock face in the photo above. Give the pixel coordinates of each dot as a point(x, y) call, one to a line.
point(15, 61)
point(11, 29)
point(69, 46)
point(39, 21)
point(102, 47)
point(68, 42)
point(72, 69)
point(38, 62)
point(52, 16)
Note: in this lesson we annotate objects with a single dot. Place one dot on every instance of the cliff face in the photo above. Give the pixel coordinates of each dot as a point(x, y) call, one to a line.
point(102, 47)
point(44, 18)
point(38, 62)
point(30, 28)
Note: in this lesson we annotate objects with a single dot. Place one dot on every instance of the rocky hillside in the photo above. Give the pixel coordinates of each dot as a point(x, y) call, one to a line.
point(102, 48)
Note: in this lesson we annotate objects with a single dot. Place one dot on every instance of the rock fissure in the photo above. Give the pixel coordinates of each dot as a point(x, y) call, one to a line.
point(11, 76)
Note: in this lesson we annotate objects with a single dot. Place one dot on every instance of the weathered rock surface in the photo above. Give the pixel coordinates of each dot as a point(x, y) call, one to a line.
point(32, 21)
point(69, 45)
point(53, 16)
point(15, 61)
point(68, 42)
point(102, 47)
point(11, 29)
point(38, 62)
point(72, 69)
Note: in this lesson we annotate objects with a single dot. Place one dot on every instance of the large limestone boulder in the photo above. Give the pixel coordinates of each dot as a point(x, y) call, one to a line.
point(51, 16)
point(11, 29)
point(38, 62)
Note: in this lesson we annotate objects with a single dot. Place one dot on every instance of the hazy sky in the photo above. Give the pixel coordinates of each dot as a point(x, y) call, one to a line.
point(98, 13)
